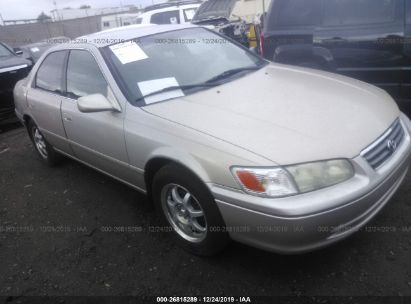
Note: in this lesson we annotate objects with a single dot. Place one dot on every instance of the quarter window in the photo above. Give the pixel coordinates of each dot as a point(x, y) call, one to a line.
point(354, 12)
point(171, 17)
point(50, 74)
point(84, 76)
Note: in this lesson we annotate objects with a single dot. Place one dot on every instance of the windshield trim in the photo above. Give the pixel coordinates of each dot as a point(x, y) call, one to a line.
point(141, 103)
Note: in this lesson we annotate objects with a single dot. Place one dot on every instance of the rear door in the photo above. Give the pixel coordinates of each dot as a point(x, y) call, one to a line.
point(365, 38)
point(45, 98)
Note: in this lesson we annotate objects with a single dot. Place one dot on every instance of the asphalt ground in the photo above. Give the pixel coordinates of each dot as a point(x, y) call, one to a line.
point(71, 231)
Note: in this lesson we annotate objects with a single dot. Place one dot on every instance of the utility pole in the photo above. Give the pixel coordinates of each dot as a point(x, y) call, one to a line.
point(55, 8)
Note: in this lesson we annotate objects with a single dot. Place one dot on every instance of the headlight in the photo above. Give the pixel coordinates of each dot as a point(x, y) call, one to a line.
point(289, 180)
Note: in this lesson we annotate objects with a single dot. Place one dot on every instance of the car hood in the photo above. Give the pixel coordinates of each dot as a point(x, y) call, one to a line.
point(11, 61)
point(287, 114)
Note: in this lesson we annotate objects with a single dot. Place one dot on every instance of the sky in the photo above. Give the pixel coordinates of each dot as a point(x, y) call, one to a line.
point(30, 9)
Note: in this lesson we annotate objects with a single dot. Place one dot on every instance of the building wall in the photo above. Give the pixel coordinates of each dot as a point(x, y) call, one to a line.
point(20, 34)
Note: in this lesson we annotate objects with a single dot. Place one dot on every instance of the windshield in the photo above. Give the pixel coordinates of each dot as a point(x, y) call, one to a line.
point(213, 9)
point(187, 58)
point(4, 51)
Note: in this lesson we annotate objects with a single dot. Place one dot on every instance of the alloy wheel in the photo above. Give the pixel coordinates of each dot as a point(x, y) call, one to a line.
point(40, 143)
point(184, 213)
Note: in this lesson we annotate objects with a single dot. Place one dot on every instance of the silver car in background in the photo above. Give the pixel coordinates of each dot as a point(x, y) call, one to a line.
point(225, 144)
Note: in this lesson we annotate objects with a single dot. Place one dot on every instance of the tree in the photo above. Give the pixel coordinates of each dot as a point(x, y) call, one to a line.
point(43, 17)
point(85, 6)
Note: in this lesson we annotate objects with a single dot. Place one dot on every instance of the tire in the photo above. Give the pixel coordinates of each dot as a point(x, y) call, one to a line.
point(180, 198)
point(44, 150)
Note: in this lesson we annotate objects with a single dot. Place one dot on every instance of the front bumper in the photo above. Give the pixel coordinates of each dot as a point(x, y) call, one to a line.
point(313, 220)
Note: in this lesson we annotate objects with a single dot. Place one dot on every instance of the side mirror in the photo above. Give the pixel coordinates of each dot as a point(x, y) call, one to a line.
point(18, 51)
point(95, 103)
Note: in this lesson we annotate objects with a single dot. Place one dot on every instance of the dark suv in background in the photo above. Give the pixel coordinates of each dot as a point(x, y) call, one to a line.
point(365, 39)
point(12, 69)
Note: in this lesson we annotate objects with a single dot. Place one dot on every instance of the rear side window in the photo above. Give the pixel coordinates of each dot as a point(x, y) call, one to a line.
point(355, 12)
point(408, 11)
point(50, 74)
point(171, 17)
point(286, 13)
point(84, 76)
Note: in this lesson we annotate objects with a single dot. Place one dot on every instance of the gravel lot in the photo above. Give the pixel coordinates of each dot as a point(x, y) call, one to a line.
point(54, 241)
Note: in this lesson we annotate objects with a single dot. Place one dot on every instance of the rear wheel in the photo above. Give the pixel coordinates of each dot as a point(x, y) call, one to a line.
point(185, 205)
point(45, 151)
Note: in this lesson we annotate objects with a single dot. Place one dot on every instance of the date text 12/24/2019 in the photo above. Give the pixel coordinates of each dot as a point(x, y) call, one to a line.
point(203, 299)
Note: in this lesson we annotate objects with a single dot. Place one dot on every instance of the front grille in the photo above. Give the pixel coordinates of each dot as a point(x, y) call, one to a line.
point(382, 149)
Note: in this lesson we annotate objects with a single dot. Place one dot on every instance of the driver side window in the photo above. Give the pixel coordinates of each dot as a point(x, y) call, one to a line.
point(84, 76)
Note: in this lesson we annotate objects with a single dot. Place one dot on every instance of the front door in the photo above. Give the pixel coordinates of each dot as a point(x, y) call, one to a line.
point(96, 138)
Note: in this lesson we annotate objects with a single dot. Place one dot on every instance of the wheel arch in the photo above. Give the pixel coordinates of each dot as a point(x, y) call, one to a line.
point(27, 119)
point(167, 156)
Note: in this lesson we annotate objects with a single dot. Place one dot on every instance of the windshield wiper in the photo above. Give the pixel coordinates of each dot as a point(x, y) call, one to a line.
point(173, 88)
point(231, 72)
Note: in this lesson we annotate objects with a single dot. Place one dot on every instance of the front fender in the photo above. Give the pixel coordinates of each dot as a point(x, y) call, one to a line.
point(182, 158)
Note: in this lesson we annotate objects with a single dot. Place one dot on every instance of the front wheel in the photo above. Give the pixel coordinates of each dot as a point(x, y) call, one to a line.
point(185, 204)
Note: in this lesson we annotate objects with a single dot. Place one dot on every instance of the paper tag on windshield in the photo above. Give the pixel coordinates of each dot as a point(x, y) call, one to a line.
point(35, 49)
point(151, 86)
point(128, 52)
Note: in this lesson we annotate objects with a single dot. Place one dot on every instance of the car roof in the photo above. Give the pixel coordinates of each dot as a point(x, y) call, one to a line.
point(119, 34)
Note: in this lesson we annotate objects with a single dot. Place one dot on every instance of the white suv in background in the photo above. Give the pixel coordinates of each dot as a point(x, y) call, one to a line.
point(169, 13)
